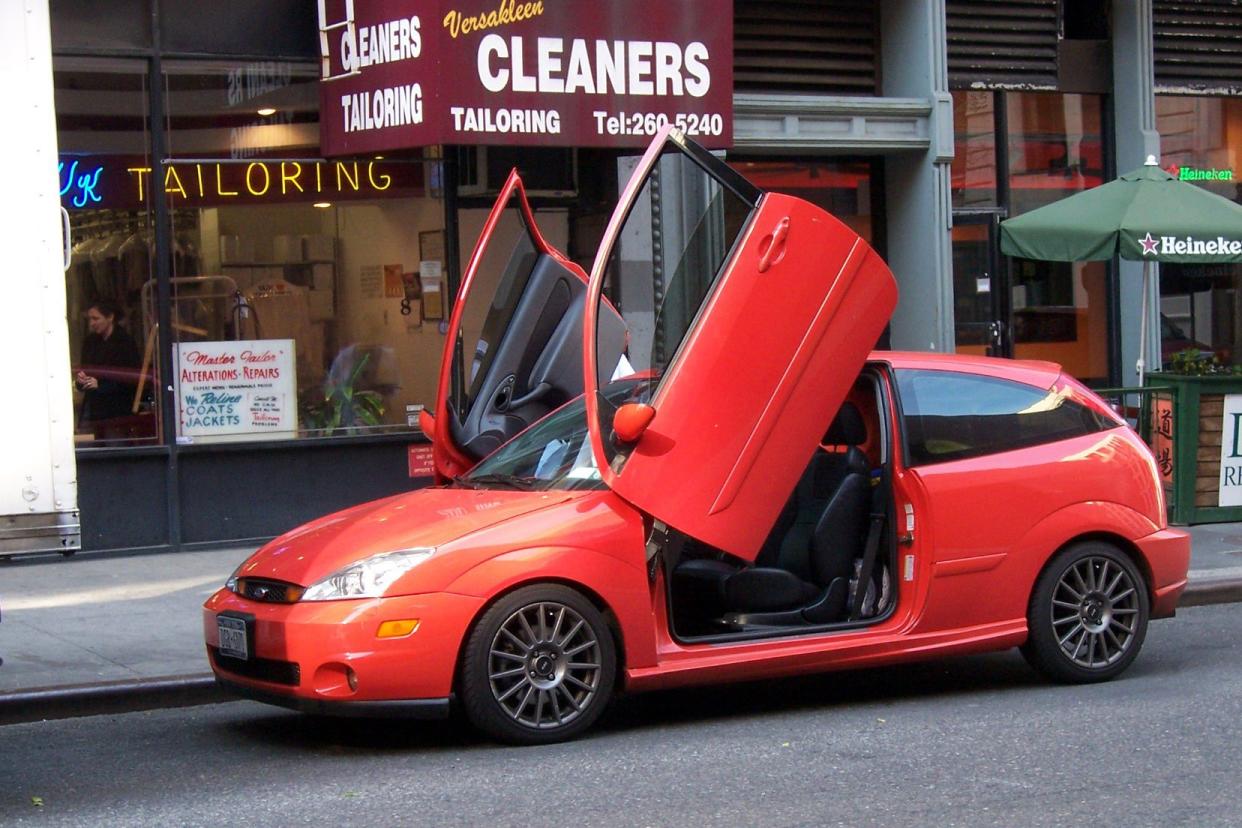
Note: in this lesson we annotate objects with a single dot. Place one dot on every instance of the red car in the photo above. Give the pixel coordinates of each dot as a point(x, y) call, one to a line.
point(707, 479)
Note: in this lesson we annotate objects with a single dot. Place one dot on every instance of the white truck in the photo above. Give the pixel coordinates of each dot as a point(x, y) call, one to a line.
point(38, 473)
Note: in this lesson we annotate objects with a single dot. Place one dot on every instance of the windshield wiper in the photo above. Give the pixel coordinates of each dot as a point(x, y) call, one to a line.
point(482, 481)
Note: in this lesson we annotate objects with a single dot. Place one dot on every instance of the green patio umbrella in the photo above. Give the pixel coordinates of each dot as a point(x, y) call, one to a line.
point(1145, 215)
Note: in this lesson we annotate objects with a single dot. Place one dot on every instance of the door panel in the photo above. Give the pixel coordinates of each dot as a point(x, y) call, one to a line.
point(764, 308)
point(980, 319)
point(515, 338)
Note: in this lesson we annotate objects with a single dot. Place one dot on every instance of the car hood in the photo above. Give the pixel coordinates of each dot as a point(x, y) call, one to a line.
point(428, 517)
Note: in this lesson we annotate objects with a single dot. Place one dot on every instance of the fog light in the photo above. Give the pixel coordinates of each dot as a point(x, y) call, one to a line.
point(397, 629)
point(335, 679)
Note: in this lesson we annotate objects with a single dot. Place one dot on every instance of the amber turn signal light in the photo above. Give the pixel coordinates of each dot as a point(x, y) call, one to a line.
point(397, 629)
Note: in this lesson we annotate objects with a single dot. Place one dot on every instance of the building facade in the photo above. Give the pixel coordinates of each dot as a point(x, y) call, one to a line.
point(206, 217)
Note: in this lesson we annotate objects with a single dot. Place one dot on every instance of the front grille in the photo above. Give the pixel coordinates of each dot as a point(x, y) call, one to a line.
point(260, 669)
point(270, 592)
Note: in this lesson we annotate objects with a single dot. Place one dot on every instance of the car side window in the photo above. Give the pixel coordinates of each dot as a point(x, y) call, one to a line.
point(952, 416)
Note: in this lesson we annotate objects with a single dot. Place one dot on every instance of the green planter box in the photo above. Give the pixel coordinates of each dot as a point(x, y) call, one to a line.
point(1198, 403)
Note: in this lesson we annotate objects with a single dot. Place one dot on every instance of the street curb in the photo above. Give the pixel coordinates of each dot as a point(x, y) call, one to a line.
point(109, 697)
point(1203, 591)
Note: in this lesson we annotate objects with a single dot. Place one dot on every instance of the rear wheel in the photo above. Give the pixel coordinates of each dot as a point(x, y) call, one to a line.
point(539, 666)
point(1088, 615)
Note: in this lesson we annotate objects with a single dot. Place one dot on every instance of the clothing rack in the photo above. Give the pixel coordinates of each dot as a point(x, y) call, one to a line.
point(203, 307)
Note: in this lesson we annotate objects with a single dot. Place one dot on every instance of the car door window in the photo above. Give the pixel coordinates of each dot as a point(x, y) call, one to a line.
point(670, 251)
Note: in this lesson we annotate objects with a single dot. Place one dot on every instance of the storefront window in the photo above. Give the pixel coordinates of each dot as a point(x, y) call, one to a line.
point(842, 188)
point(1200, 315)
point(307, 294)
point(1058, 309)
point(101, 112)
point(974, 149)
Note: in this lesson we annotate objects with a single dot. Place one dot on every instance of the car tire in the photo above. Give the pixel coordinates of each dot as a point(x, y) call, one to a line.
point(538, 667)
point(1088, 615)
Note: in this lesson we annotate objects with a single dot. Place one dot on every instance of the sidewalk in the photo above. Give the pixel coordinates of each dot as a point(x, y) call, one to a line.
point(98, 633)
point(92, 633)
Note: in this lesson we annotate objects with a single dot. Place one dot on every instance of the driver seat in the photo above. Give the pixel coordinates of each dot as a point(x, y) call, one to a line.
point(801, 575)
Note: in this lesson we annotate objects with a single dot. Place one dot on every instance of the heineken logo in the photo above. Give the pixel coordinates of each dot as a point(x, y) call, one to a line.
point(1189, 246)
point(1199, 174)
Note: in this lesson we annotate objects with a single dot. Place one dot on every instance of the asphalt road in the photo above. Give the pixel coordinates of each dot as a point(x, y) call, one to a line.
point(971, 741)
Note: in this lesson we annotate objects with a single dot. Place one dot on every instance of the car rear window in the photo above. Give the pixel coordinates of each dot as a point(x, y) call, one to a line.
point(952, 416)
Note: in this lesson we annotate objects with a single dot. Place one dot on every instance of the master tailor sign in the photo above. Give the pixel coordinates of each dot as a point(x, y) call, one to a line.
point(606, 73)
point(235, 390)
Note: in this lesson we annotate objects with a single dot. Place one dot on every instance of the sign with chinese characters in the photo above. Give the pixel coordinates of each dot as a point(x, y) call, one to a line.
point(1231, 452)
point(236, 390)
point(609, 73)
point(1162, 436)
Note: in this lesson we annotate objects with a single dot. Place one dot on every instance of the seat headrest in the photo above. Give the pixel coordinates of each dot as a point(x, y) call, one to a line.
point(847, 429)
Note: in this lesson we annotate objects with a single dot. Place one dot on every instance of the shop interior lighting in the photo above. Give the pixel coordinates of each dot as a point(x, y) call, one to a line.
point(266, 111)
point(322, 205)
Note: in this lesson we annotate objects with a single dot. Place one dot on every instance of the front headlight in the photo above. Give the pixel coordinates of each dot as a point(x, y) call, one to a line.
point(367, 578)
point(231, 583)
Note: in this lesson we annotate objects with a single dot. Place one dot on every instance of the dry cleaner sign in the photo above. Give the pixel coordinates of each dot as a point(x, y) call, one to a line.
point(609, 73)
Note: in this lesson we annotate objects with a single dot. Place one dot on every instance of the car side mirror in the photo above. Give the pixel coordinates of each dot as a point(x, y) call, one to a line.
point(427, 424)
point(631, 420)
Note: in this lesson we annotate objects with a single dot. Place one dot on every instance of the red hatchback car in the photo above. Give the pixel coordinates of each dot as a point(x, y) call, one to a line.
point(705, 478)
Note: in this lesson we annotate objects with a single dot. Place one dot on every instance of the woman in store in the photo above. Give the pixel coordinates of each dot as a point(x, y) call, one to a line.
point(109, 367)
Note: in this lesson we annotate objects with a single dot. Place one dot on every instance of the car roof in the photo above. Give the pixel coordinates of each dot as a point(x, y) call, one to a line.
point(1029, 371)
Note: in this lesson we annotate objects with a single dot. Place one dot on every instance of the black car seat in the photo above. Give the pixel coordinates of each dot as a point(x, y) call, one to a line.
point(801, 574)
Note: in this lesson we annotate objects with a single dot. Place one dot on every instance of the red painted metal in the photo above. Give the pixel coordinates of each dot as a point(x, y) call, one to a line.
point(449, 458)
point(769, 362)
point(759, 376)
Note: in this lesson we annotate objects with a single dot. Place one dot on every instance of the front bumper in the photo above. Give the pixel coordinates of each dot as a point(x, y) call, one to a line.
point(1167, 554)
point(394, 709)
point(325, 656)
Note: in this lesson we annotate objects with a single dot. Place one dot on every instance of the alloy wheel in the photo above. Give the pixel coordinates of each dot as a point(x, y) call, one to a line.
point(1095, 608)
point(544, 665)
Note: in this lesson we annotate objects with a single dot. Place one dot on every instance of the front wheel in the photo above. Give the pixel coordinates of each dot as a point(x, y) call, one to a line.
point(1088, 615)
point(539, 666)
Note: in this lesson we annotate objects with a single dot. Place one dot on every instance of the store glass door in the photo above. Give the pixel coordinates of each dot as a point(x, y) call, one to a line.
point(980, 313)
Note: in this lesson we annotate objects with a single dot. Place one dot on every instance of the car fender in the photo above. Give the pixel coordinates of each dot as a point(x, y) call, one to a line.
point(1077, 520)
point(997, 588)
point(623, 588)
point(1096, 518)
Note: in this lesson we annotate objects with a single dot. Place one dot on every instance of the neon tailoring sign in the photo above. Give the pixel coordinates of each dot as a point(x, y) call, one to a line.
point(125, 182)
point(1199, 174)
point(80, 187)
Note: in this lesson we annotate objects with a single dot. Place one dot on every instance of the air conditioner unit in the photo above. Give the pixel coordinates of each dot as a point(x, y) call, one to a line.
point(549, 172)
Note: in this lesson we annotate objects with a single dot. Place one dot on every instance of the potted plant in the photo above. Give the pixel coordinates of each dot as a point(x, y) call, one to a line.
point(339, 406)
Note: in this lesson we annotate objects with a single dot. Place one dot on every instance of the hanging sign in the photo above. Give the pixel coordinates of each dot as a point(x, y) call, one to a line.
point(1231, 452)
point(236, 390)
point(609, 73)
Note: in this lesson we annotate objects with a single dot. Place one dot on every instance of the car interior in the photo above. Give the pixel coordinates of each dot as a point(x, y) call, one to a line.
point(828, 559)
point(534, 364)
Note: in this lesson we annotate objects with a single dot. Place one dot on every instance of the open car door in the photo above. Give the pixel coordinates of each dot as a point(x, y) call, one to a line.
point(751, 315)
point(513, 350)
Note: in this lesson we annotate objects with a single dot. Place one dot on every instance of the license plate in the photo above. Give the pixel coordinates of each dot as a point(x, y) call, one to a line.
point(233, 640)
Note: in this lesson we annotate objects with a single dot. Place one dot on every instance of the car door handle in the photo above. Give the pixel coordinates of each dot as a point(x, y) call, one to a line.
point(774, 245)
point(531, 396)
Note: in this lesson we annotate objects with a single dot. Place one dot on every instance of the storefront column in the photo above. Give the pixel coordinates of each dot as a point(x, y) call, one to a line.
point(1134, 111)
point(914, 65)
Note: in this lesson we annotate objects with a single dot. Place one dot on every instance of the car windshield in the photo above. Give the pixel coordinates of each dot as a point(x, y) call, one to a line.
point(554, 453)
